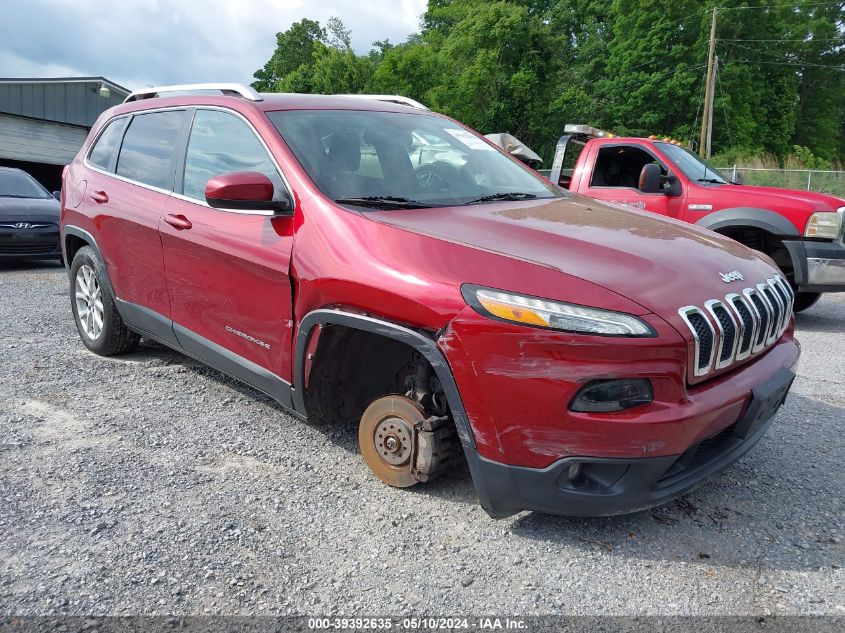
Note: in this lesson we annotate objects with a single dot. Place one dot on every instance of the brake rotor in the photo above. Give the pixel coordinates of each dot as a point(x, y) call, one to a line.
point(386, 437)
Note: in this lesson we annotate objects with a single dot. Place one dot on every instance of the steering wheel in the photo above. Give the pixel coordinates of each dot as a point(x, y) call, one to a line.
point(437, 175)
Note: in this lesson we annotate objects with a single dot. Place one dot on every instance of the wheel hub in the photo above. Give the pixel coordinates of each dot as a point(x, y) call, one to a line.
point(393, 440)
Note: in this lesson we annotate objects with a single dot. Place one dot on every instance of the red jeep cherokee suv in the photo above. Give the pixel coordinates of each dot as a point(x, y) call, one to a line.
point(371, 261)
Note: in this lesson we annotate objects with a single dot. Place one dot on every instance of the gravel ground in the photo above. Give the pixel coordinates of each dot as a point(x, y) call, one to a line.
point(149, 484)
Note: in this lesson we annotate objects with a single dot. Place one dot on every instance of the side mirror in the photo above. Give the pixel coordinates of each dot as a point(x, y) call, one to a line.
point(245, 191)
point(57, 195)
point(650, 178)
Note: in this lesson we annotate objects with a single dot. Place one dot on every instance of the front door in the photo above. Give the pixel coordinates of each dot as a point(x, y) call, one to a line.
point(228, 271)
point(615, 178)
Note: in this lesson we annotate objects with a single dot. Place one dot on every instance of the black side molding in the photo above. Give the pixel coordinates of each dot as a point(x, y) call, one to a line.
point(423, 344)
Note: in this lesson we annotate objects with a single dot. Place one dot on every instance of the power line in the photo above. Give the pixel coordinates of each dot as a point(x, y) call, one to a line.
point(725, 109)
point(807, 41)
point(783, 6)
point(796, 62)
point(750, 62)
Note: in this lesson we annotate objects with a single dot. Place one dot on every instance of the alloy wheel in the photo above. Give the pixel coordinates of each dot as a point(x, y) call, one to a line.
point(89, 302)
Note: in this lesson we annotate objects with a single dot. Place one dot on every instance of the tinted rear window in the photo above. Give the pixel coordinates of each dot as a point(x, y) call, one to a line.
point(103, 150)
point(148, 148)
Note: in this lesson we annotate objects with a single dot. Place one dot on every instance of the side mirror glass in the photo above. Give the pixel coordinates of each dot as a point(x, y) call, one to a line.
point(650, 178)
point(57, 195)
point(245, 191)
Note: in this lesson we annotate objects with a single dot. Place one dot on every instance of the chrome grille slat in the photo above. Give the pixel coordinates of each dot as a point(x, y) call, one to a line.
point(704, 338)
point(771, 329)
point(726, 332)
point(742, 324)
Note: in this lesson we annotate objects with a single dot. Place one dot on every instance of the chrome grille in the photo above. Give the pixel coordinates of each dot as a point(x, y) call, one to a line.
point(732, 329)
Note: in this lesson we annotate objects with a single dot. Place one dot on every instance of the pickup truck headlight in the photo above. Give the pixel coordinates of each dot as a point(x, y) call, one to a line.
point(825, 224)
point(554, 315)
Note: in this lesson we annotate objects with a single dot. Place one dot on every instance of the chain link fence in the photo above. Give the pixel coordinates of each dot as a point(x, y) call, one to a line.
point(830, 182)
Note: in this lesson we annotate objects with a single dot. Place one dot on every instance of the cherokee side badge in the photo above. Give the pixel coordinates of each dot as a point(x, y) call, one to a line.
point(734, 275)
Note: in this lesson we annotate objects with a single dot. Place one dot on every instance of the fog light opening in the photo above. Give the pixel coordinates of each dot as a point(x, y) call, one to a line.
point(607, 396)
point(575, 472)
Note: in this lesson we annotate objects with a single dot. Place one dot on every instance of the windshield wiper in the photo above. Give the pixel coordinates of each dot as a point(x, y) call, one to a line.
point(510, 195)
point(384, 202)
point(11, 195)
point(715, 181)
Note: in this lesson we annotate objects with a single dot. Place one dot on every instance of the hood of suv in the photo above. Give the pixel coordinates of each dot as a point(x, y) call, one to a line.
point(661, 264)
point(41, 210)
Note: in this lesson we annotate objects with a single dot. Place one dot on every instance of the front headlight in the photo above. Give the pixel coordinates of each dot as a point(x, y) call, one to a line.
point(825, 224)
point(554, 315)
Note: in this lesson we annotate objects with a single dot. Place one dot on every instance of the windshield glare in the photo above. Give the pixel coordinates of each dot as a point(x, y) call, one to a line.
point(420, 158)
point(17, 184)
point(692, 166)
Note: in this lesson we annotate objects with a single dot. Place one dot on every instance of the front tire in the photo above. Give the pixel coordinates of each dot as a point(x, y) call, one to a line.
point(805, 300)
point(98, 322)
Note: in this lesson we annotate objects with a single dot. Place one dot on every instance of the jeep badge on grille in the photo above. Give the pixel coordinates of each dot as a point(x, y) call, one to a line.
point(734, 275)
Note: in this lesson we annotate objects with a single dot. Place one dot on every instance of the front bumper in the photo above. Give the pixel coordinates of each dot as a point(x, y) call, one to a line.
point(37, 243)
point(819, 266)
point(607, 486)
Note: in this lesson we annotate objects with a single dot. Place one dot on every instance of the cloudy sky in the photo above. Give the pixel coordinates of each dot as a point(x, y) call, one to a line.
point(153, 42)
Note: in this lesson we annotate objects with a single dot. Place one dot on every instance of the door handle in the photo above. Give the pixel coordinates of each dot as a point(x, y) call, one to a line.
point(99, 197)
point(178, 222)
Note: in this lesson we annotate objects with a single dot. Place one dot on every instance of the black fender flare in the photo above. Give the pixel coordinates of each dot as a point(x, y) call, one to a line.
point(418, 341)
point(86, 237)
point(750, 216)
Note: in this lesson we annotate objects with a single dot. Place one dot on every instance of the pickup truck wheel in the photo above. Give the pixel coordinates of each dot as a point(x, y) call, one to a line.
point(386, 437)
point(100, 327)
point(805, 300)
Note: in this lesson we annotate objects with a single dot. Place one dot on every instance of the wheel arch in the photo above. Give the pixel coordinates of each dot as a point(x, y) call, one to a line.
point(750, 217)
point(73, 239)
point(417, 341)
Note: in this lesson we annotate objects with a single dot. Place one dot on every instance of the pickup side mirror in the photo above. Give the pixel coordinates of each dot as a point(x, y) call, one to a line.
point(650, 178)
point(57, 195)
point(245, 191)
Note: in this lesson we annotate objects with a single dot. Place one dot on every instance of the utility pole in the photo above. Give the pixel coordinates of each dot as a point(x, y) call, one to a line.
point(712, 90)
point(707, 116)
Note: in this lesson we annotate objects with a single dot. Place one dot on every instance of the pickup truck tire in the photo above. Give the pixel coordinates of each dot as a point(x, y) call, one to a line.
point(100, 326)
point(805, 300)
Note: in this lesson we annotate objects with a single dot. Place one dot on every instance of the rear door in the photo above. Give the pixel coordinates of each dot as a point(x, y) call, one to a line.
point(615, 178)
point(131, 174)
point(227, 270)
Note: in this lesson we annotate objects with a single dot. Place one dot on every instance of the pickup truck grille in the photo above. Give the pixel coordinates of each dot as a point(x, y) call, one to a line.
point(731, 329)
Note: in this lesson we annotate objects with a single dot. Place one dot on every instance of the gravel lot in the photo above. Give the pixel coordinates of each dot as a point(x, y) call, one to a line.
point(150, 484)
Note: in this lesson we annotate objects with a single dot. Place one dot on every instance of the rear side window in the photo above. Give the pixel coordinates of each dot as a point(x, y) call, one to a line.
point(148, 148)
point(222, 143)
point(103, 149)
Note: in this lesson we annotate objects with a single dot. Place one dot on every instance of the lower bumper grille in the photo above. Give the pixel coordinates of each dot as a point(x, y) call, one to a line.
point(28, 249)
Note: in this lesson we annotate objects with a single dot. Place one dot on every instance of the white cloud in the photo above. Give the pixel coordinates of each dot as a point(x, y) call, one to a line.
point(154, 42)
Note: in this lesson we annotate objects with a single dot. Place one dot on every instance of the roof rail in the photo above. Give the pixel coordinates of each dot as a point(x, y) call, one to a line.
point(406, 101)
point(227, 89)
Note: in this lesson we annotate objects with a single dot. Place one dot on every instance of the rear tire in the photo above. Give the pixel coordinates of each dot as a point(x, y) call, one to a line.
point(98, 322)
point(805, 300)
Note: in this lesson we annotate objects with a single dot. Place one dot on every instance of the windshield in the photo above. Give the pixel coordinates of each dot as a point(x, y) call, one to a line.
point(18, 184)
point(692, 166)
point(398, 160)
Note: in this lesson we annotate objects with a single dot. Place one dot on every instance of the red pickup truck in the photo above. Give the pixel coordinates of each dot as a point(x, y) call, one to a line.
point(802, 231)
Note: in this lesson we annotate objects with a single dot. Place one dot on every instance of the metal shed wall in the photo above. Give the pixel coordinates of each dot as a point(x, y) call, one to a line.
point(72, 102)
